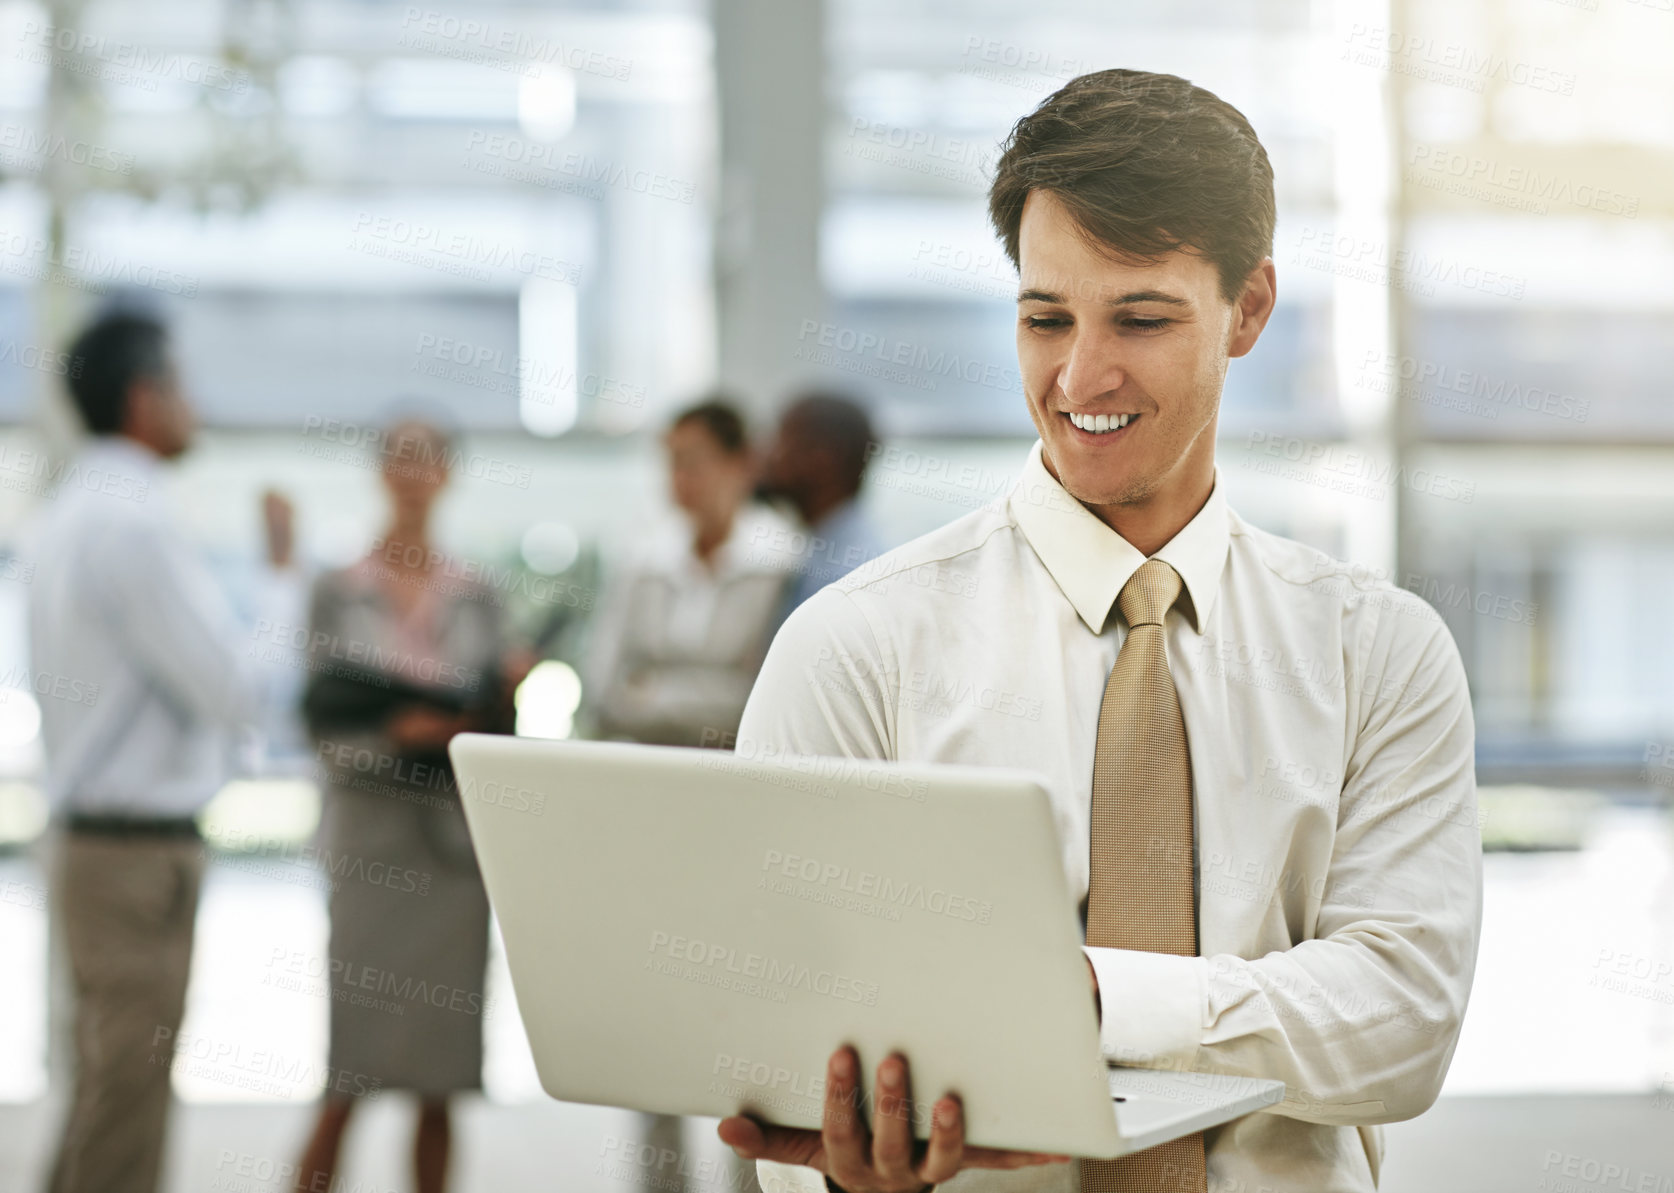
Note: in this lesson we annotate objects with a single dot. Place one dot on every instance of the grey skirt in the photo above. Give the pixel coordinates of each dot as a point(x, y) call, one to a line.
point(409, 941)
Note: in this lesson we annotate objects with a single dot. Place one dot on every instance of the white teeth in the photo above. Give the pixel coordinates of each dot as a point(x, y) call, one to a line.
point(1100, 423)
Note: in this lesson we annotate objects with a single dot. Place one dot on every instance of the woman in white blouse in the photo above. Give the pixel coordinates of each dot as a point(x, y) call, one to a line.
point(685, 625)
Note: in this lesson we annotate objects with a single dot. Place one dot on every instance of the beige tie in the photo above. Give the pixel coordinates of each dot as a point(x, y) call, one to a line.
point(1140, 883)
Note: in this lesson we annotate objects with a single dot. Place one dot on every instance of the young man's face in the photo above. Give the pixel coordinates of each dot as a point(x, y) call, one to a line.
point(1099, 339)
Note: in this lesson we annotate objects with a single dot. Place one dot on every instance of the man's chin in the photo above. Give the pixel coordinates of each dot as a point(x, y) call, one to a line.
point(1105, 497)
point(1092, 485)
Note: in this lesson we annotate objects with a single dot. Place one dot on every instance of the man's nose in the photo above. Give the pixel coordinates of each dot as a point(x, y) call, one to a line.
point(1092, 368)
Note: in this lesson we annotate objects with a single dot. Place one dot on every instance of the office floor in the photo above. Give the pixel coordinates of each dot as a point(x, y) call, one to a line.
point(1570, 1032)
point(1542, 1144)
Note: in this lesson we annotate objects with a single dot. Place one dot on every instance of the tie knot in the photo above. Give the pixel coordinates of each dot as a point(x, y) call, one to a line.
point(1149, 594)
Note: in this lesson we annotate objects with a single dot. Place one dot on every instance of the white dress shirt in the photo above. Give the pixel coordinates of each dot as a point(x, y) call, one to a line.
point(1329, 726)
point(135, 653)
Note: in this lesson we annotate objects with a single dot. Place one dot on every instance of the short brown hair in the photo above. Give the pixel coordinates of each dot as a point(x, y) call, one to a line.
point(1146, 164)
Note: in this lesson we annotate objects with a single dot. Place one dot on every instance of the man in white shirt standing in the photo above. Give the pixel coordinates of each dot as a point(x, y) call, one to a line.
point(135, 655)
point(1294, 746)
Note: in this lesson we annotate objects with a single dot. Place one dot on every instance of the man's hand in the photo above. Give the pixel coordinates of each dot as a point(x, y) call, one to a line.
point(885, 1158)
point(278, 527)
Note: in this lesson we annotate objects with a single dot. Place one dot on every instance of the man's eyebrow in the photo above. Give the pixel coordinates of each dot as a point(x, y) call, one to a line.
point(1135, 296)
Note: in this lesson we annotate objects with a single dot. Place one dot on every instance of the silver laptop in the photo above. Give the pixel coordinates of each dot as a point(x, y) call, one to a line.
point(693, 932)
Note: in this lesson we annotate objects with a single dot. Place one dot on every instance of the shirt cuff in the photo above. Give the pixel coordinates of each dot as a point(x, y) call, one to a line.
point(1153, 1007)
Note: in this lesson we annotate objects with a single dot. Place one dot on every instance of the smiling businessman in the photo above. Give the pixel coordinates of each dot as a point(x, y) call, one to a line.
point(1260, 766)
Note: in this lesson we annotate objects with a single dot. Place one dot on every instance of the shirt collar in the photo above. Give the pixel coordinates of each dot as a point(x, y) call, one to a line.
point(119, 451)
point(1091, 562)
point(745, 550)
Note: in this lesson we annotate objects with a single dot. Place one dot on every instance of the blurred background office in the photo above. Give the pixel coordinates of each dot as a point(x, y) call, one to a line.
point(563, 223)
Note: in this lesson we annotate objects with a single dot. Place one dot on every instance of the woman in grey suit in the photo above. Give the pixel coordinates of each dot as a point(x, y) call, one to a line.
point(402, 656)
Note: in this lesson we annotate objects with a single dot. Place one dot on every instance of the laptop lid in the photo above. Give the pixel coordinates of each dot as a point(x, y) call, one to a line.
point(692, 932)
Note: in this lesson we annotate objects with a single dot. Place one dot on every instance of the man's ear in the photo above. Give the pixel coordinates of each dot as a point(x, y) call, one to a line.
point(1253, 308)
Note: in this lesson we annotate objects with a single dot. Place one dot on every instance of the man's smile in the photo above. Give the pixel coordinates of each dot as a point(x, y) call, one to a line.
point(1100, 428)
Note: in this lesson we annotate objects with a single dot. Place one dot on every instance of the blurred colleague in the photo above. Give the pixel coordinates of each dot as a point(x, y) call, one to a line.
point(135, 653)
point(402, 656)
point(686, 624)
point(816, 463)
point(1262, 768)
